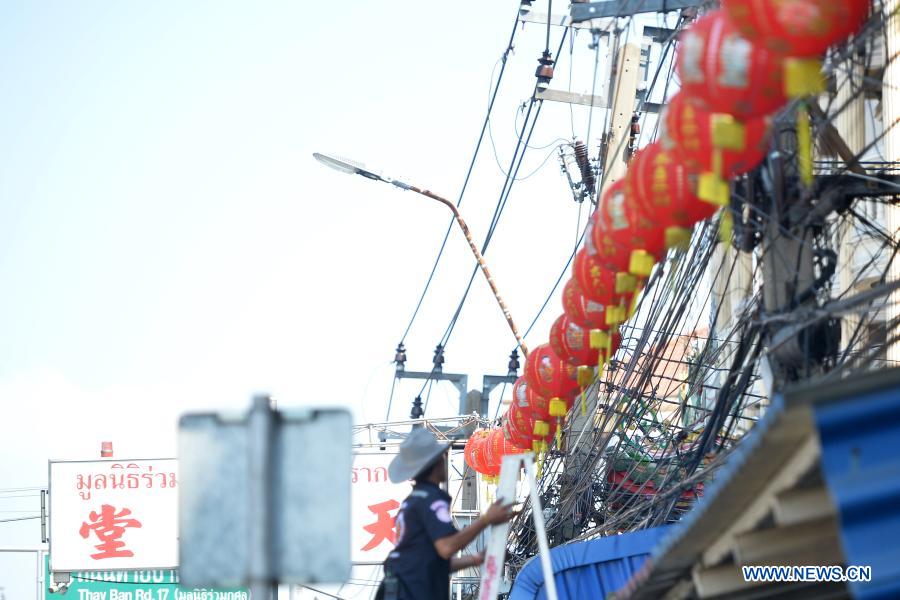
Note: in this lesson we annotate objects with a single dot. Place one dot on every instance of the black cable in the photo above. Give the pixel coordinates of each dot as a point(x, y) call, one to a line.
point(19, 519)
point(549, 17)
point(505, 191)
point(387, 417)
point(587, 139)
point(498, 211)
point(509, 47)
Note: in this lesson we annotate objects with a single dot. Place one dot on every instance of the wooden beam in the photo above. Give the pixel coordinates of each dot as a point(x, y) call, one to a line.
point(729, 579)
point(682, 590)
point(779, 545)
point(571, 98)
point(805, 457)
point(797, 506)
point(719, 581)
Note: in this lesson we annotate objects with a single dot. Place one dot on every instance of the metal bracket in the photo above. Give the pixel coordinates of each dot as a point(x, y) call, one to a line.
point(44, 538)
point(626, 8)
point(461, 382)
point(488, 384)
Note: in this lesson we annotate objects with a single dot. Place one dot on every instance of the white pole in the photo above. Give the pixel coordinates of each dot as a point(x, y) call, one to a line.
point(890, 111)
point(851, 125)
point(541, 532)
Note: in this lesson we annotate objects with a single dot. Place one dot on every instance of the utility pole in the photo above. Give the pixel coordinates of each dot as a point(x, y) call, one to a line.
point(623, 96)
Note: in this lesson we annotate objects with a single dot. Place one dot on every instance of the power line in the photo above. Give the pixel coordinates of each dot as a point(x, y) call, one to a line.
point(20, 519)
point(505, 191)
point(484, 126)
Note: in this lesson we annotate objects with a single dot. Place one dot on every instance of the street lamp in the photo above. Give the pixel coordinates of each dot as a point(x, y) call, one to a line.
point(354, 168)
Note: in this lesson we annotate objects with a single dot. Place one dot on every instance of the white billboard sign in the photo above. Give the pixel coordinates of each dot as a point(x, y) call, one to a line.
point(113, 514)
point(376, 502)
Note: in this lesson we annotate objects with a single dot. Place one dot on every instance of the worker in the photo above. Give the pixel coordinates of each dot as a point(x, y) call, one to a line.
point(420, 565)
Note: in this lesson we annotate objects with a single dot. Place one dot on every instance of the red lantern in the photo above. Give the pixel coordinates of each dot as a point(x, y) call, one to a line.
point(797, 27)
point(688, 131)
point(474, 452)
point(572, 343)
point(468, 451)
point(660, 185)
point(726, 72)
point(498, 447)
point(522, 426)
point(492, 461)
point(549, 375)
point(620, 228)
point(581, 311)
point(597, 283)
point(516, 436)
point(528, 400)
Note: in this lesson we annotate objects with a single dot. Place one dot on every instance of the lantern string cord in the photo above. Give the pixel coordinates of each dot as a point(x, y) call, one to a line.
point(387, 416)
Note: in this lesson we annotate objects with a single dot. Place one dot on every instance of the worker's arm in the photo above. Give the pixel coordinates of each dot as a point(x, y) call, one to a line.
point(464, 562)
point(447, 546)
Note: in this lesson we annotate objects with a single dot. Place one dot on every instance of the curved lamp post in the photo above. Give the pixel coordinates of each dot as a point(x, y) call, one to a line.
point(354, 168)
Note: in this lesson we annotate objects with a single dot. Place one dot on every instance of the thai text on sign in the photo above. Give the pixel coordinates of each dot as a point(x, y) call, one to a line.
point(376, 502)
point(159, 584)
point(114, 514)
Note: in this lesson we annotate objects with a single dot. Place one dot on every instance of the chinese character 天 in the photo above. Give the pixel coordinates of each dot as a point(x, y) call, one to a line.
point(383, 528)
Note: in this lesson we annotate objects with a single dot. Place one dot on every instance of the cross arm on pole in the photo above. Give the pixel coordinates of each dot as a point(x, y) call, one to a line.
point(626, 8)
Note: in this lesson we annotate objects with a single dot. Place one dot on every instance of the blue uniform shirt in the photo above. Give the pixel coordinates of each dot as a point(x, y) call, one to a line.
point(423, 518)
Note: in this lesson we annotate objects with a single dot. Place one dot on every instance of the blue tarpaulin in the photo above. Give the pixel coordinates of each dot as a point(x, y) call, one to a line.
point(590, 569)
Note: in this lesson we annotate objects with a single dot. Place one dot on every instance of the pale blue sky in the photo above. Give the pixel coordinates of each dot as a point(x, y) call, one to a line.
point(168, 244)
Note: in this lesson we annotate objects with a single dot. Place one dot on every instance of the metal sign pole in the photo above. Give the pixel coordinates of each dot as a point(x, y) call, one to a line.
point(261, 427)
point(264, 498)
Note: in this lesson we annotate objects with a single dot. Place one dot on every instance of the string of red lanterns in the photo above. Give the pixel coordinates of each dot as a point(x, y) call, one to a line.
point(737, 65)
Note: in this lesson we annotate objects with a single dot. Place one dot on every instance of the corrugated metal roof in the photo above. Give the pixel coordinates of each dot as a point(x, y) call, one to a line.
point(589, 569)
point(860, 438)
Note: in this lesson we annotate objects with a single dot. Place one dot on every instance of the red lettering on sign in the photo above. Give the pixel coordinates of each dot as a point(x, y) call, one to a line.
point(383, 528)
point(109, 526)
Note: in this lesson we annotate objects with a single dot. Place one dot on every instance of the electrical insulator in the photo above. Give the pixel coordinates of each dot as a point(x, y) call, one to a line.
point(438, 358)
point(513, 363)
point(633, 135)
point(584, 165)
point(544, 72)
point(400, 357)
point(417, 412)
